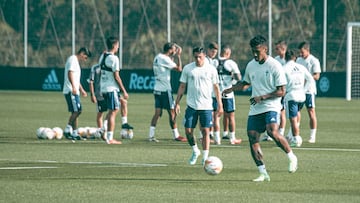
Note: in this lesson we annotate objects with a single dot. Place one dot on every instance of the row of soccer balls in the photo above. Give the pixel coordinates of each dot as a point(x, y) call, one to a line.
point(84, 132)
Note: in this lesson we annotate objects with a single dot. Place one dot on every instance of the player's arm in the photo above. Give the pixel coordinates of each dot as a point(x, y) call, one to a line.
point(217, 93)
point(82, 91)
point(279, 92)
point(316, 76)
point(71, 80)
point(180, 94)
point(119, 82)
point(240, 85)
point(92, 91)
point(177, 58)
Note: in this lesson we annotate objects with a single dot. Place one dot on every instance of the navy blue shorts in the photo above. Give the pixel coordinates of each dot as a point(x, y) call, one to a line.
point(73, 102)
point(164, 100)
point(228, 104)
point(101, 106)
point(258, 122)
point(292, 108)
point(192, 116)
point(112, 100)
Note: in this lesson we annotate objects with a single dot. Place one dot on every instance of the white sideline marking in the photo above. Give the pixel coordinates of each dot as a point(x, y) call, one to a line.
point(113, 164)
point(331, 149)
point(26, 167)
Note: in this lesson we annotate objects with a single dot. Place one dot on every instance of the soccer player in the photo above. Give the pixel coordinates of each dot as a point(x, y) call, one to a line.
point(299, 79)
point(267, 79)
point(162, 66)
point(98, 99)
point(111, 84)
point(280, 49)
point(228, 72)
point(313, 65)
point(72, 89)
point(200, 79)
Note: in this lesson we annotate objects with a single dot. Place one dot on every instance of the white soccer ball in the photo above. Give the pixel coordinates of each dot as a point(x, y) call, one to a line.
point(48, 133)
point(126, 133)
point(59, 133)
point(213, 165)
point(39, 133)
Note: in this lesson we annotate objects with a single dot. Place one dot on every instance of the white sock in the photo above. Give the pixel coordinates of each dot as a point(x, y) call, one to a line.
point(75, 132)
point(232, 135)
point(200, 134)
point(262, 169)
point(68, 129)
point(313, 133)
point(281, 131)
point(175, 133)
point(225, 133)
point(195, 148)
point(124, 119)
point(205, 154)
point(110, 135)
point(291, 155)
point(105, 125)
point(217, 136)
point(152, 131)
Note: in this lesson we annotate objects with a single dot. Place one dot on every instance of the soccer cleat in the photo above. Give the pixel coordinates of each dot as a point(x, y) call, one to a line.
point(225, 138)
point(266, 137)
point(312, 139)
point(296, 141)
point(193, 158)
point(127, 126)
point(235, 141)
point(113, 141)
point(153, 139)
point(181, 139)
point(293, 164)
point(263, 177)
point(68, 135)
point(75, 137)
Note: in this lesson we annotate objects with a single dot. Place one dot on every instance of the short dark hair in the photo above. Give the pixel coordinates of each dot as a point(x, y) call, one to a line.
point(213, 45)
point(281, 42)
point(258, 40)
point(305, 45)
point(168, 46)
point(290, 54)
point(198, 50)
point(84, 50)
point(110, 41)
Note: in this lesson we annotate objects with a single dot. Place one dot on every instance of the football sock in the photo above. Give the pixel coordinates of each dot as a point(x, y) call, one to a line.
point(152, 131)
point(312, 132)
point(110, 135)
point(290, 155)
point(175, 133)
point(262, 169)
point(124, 120)
point(75, 132)
point(68, 129)
point(105, 125)
point(195, 148)
point(232, 135)
point(225, 133)
point(205, 154)
point(217, 136)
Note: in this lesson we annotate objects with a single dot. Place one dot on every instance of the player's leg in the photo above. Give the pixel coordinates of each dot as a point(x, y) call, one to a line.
point(113, 104)
point(74, 107)
point(124, 114)
point(205, 117)
point(229, 118)
point(190, 121)
point(310, 106)
point(272, 128)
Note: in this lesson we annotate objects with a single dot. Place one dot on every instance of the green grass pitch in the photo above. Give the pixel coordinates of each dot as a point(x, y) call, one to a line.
point(33, 170)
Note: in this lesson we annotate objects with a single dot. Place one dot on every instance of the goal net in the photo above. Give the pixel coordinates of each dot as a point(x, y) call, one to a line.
point(353, 61)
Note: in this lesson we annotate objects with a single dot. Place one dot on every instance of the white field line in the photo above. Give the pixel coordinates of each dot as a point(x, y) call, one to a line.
point(95, 164)
point(27, 167)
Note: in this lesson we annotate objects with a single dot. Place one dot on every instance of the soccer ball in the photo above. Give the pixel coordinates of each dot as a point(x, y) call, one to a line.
point(126, 134)
point(58, 133)
point(39, 133)
point(213, 165)
point(48, 133)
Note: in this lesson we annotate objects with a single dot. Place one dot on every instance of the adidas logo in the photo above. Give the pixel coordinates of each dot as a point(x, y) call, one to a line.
point(51, 82)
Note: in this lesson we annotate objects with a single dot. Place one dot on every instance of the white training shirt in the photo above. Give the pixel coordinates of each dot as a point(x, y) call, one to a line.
point(281, 60)
point(107, 81)
point(298, 78)
point(72, 64)
point(264, 78)
point(313, 66)
point(225, 80)
point(162, 67)
point(200, 83)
